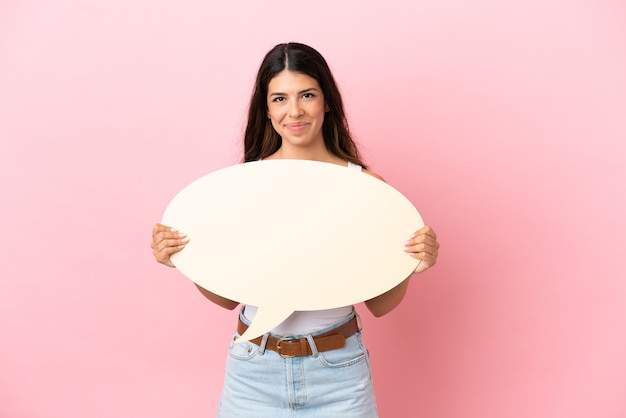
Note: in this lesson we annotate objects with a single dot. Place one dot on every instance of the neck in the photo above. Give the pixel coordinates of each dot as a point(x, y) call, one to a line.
point(318, 153)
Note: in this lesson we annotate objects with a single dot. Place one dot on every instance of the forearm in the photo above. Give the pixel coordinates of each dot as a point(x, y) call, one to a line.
point(385, 303)
point(218, 300)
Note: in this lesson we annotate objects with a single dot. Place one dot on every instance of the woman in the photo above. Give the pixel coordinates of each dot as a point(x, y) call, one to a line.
point(314, 364)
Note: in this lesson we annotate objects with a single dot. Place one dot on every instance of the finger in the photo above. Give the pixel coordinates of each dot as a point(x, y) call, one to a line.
point(161, 229)
point(426, 231)
point(423, 266)
point(426, 261)
point(163, 256)
point(171, 243)
point(418, 244)
point(429, 256)
point(168, 234)
point(423, 235)
point(168, 237)
point(422, 248)
point(425, 256)
point(167, 252)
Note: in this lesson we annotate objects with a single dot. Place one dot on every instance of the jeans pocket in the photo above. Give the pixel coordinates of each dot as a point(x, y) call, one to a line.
point(242, 351)
point(353, 352)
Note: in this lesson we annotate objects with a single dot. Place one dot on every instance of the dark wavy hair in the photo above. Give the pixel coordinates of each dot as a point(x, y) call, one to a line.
point(260, 138)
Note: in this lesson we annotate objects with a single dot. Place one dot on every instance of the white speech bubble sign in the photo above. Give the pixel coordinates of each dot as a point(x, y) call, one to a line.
point(293, 235)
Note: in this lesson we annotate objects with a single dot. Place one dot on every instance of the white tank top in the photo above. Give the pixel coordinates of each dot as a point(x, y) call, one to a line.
point(306, 322)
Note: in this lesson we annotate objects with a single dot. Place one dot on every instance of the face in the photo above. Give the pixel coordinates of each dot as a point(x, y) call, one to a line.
point(296, 107)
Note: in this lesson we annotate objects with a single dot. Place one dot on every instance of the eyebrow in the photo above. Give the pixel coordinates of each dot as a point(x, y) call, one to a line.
point(300, 92)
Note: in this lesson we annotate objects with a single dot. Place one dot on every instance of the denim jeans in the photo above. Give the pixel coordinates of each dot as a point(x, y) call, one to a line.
point(261, 384)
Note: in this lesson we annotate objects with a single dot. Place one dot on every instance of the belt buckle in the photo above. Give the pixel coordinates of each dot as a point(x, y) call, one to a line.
point(278, 346)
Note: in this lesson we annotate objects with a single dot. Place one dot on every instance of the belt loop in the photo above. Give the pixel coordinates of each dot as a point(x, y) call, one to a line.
point(311, 341)
point(263, 344)
point(358, 320)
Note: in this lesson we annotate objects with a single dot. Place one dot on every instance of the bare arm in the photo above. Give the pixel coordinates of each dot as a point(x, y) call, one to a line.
point(218, 300)
point(385, 303)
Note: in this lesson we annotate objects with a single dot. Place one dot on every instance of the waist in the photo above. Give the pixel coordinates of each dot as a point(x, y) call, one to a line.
point(286, 347)
point(303, 322)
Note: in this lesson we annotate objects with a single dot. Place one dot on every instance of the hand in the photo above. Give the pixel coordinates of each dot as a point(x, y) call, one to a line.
point(423, 245)
point(165, 242)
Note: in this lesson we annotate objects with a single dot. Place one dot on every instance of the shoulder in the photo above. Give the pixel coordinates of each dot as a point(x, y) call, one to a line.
point(371, 173)
point(357, 167)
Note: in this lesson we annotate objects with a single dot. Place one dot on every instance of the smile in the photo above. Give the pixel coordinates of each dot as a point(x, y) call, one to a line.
point(296, 126)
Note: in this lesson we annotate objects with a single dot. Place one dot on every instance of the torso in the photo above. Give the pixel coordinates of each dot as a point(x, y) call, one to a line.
point(306, 322)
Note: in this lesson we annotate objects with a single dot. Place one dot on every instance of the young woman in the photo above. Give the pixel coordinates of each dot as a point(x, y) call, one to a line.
point(314, 364)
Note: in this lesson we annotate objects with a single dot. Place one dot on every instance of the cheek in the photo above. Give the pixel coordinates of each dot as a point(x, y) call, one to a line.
point(321, 115)
point(320, 110)
point(275, 113)
point(275, 124)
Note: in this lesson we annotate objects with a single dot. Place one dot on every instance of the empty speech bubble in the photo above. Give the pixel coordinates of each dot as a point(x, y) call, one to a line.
point(293, 235)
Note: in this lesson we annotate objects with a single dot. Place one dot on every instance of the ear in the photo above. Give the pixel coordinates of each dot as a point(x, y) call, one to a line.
point(327, 108)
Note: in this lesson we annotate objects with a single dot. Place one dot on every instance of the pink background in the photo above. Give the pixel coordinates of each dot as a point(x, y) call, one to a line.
point(504, 122)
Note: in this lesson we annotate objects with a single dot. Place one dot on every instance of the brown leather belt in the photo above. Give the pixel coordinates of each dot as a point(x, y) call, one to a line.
point(293, 347)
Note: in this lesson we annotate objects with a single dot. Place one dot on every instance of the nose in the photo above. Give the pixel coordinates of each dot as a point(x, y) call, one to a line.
point(295, 110)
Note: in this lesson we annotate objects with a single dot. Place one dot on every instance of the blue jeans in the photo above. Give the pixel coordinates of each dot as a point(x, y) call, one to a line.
point(261, 384)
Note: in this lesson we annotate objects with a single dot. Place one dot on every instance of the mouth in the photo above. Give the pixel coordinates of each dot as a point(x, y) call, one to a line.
point(296, 126)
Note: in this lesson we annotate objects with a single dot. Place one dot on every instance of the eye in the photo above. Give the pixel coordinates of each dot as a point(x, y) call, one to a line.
point(308, 95)
point(278, 99)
